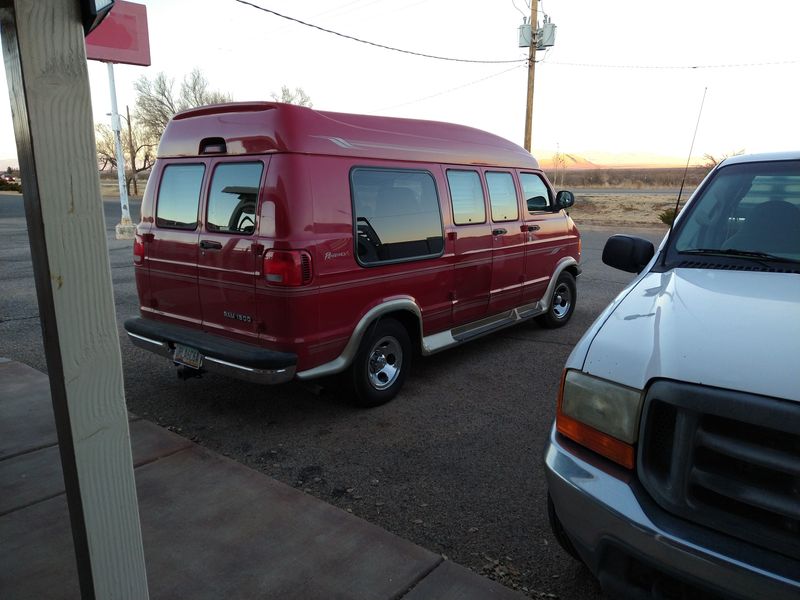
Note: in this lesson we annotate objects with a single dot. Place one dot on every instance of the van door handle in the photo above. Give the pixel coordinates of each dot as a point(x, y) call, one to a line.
point(210, 245)
point(500, 231)
point(530, 228)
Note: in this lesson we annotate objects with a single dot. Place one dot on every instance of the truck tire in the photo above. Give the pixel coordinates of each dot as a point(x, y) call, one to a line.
point(379, 368)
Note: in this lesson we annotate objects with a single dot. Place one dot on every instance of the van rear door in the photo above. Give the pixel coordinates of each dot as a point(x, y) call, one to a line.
point(172, 244)
point(508, 249)
point(228, 251)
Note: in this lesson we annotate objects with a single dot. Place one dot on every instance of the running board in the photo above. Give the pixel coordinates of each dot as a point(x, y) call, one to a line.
point(464, 333)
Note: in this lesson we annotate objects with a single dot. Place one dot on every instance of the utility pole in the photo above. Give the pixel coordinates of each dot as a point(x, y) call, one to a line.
point(531, 73)
point(132, 152)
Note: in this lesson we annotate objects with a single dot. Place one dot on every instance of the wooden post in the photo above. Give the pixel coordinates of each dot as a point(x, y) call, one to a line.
point(132, 152)
point(531, 74)
point(45, 62)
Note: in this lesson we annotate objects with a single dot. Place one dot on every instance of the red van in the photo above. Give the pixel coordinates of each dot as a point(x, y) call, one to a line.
point(278, 241)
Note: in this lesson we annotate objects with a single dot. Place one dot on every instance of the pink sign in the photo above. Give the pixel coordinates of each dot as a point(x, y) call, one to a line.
point(122, 36)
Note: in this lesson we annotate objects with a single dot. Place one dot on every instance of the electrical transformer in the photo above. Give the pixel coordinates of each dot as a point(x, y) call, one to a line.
point(546, 36)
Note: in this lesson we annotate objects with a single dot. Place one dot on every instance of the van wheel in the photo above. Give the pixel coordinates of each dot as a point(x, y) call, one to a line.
point(562, 304)
point(380, 366)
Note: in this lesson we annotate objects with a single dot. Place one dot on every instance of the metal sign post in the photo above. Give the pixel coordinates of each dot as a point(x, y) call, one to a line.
point(122, 38)
point(125, 229)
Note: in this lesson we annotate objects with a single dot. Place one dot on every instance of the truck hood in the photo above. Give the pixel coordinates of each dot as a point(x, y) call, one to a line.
point(729, 329)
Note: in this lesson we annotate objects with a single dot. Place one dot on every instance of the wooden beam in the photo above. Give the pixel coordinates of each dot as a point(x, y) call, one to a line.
point(45, 62)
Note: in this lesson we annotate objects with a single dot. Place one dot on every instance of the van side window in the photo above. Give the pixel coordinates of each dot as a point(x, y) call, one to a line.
point(233, 197)
point(466, 194)
point(396, 215)
point(179, 196)
point(502, 196)
point(535, 192)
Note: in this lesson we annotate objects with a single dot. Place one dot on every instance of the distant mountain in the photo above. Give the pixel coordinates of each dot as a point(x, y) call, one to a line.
point(599, 160)
point(570, 161)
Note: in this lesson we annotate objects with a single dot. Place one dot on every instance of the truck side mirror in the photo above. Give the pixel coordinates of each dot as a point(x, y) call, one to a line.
point(627, 253)
point(564, 199)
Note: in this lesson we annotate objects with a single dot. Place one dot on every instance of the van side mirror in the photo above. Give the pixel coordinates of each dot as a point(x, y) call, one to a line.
point(564, 199)
point(627, 253)
point(537, 203)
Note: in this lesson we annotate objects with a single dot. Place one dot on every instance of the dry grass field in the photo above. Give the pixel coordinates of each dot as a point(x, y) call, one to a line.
point(623, 207)
point(633, 197)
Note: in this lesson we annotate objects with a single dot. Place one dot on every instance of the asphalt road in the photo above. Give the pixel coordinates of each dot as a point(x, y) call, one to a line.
point(453, 464)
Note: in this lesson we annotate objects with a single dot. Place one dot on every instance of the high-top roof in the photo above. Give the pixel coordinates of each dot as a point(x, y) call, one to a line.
point(267, 127)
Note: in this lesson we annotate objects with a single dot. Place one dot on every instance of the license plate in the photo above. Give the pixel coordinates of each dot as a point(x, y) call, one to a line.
point(187, 356)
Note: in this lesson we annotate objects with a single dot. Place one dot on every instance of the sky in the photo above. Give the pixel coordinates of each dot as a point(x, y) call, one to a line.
point(608, 91)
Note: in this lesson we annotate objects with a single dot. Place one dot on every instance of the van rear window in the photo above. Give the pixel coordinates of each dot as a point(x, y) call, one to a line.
point(396, 215)
point(466, 194)
point(179, 196)
point(233, 197)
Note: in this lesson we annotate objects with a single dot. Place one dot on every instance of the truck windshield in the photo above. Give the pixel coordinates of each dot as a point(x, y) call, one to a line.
point(748, 211)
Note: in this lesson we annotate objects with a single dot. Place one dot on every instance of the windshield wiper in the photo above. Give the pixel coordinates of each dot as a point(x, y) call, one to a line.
point(739, 253)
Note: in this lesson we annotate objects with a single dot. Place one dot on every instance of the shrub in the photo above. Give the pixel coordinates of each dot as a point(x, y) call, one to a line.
point(5, 186)
point(667, 216)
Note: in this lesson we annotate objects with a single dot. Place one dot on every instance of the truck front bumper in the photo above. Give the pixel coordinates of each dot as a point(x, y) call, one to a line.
point(638, 550)
point(220, 355)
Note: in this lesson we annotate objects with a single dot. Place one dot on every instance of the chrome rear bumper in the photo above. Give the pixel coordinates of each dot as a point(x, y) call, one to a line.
point(222, 356)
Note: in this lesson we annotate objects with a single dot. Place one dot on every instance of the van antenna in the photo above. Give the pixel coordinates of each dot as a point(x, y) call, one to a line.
point(686, 169)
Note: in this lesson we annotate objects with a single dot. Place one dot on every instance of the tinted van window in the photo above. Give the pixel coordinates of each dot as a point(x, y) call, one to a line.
point(396, 215)
point(502, 196)
point(466, 194)
point(535, 192)
point(233, 197)
point(179, 196)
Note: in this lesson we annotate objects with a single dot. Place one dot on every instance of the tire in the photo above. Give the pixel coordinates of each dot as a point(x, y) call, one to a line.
point(379, 368)
point(562, 303)
point(558, 530)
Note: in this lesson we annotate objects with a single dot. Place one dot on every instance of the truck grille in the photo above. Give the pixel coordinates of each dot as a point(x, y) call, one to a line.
point(726, 460)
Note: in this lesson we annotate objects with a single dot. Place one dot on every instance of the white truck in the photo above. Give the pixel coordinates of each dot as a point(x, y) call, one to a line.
point(673, 466)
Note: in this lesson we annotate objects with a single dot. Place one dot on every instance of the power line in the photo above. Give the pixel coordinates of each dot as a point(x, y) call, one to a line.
point(517, 60)
point(453, 89)
point(524, 16)
point(675, 67)
point(377, 45)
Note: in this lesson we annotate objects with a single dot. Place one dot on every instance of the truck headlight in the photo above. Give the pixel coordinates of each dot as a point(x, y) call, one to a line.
point(600, 414)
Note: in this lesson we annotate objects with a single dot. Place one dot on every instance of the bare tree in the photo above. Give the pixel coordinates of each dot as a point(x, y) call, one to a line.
point(297, 96)
point(157, 102)
point(106, 149)
point(712, 161)
point(141, 148)
point(559, 167)
point(195, 92)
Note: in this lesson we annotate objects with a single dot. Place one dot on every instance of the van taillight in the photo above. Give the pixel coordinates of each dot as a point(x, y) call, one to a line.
point(138, 250)
point(287, 267)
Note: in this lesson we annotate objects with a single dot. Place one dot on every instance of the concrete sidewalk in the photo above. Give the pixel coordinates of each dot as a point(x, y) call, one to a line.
point(212, 528)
